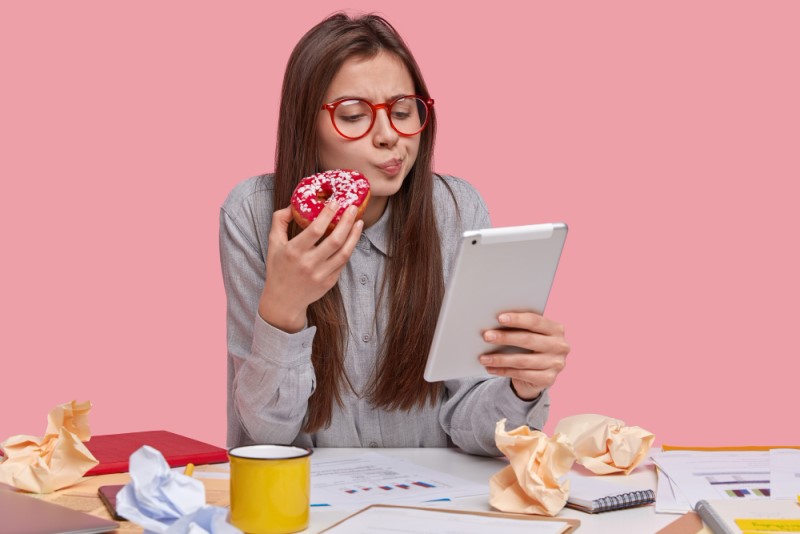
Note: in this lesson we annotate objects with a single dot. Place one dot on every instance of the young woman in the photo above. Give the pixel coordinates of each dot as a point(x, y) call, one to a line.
point(328, 338)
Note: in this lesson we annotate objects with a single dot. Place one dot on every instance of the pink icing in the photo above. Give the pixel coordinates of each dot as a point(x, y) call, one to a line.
point(346, 186)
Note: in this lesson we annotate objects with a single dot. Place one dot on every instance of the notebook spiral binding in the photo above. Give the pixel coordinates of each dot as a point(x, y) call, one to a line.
point(624, 500)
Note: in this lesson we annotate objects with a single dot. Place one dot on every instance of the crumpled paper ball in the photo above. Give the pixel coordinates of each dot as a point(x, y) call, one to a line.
point(530, 483)
point(165, 502)
point(604, 445)
point(54, 461)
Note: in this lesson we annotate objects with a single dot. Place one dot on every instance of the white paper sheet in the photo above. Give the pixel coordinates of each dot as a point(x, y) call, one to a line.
point(371, 478)
point(717, 475)
point(411, 521)
point(669, 499)
point(785, 473)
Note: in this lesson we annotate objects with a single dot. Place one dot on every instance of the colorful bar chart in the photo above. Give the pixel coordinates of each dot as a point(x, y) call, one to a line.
point(744, 492)
point(417, 484)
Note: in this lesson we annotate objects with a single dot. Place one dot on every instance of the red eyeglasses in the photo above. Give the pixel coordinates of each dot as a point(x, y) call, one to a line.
point(353, 118)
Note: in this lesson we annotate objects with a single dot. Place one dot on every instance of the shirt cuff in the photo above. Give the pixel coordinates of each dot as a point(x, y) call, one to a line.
point(511, 385)
point(282, 348)
point(514, 408)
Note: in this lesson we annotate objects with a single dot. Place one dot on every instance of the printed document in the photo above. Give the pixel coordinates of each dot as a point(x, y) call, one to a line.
point(370, 478)
point(785, 473)
point(717, 475)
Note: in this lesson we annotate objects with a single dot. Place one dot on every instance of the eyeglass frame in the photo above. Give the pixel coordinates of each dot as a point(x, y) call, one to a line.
point(331, 107)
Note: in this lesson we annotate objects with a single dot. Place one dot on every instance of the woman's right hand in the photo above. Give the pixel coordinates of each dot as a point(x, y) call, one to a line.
point(300, 271)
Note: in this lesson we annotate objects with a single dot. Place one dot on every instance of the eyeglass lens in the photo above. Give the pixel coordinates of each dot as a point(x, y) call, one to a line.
point(354, 117)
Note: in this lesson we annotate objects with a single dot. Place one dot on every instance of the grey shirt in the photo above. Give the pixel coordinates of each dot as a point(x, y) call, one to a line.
point(270, 375)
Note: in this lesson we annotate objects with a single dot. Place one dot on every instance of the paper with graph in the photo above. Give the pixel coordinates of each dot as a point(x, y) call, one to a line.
point(719, 475)
point(372, 478)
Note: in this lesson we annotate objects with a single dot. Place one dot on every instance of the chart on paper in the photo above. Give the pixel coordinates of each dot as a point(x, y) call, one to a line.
point(717, 475)
point(373, 478)
point(738, 485)
point(405, 485)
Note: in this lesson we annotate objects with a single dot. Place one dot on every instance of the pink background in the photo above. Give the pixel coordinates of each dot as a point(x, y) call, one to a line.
point(665, 134)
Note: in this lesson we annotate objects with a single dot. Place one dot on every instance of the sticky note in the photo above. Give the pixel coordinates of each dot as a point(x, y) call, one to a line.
point(769, 525)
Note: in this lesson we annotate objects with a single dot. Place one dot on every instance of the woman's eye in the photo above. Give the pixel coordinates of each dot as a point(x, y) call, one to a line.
point(352, 118)
point(401, 115)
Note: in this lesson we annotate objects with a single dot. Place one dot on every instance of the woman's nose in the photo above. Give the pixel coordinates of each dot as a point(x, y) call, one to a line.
point(383, 134)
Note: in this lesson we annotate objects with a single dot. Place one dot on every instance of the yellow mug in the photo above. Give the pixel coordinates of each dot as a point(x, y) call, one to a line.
point(270, 488)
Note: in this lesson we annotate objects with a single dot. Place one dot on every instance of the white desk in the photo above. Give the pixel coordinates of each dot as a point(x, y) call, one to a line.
point(642, 520)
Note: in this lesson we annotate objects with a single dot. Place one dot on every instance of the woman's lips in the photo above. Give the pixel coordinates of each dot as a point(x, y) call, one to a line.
point(391, 167)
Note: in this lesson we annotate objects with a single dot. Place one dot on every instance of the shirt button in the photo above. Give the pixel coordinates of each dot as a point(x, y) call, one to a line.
point(373, 444)
point(365, 338)
point(364, 279)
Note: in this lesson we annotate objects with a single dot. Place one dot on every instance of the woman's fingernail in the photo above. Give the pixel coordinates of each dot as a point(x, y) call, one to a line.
point(504, 318)
point(486, 360)
point(352, 210)
point(333, 204)
point(489, 336)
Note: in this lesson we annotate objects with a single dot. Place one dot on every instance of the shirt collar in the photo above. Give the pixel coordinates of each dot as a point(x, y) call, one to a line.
point(378, 233)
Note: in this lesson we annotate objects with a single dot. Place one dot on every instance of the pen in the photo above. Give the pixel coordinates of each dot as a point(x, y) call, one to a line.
point(189, 469)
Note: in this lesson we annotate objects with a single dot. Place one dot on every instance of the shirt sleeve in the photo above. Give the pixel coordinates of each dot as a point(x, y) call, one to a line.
point(270, 375)
point(475, 406)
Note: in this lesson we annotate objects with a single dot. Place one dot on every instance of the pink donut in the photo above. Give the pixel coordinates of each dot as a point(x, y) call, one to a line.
point(348, 187)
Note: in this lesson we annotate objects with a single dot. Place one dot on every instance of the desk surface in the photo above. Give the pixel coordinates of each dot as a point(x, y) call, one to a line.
point(475, 468)
point(480, 469)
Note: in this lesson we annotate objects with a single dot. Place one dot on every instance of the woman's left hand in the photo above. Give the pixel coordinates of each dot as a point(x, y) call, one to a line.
point(532, 372)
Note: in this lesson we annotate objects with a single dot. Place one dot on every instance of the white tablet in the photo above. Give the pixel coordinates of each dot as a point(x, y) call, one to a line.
point(496, 270)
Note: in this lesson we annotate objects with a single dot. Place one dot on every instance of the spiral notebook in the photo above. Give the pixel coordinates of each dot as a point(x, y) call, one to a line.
point(595, 494)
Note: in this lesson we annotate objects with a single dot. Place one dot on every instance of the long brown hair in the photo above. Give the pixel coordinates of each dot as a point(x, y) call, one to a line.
point(414, 283)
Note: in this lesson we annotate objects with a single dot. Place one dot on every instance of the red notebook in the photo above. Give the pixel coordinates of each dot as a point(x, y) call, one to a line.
point(114, 450)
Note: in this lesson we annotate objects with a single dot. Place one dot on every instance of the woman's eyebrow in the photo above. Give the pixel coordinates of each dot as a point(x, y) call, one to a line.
point(353, 97)
point(347, 97)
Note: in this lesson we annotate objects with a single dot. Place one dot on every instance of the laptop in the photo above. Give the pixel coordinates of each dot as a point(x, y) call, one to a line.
point(23, 514)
